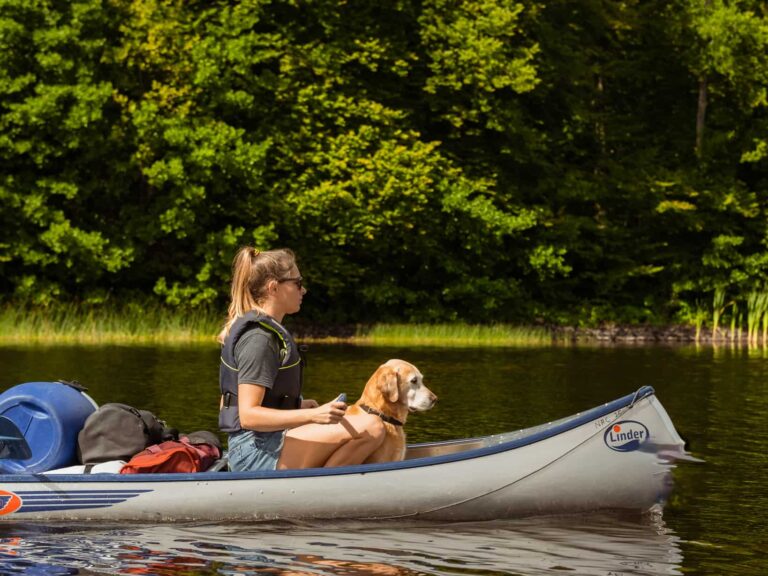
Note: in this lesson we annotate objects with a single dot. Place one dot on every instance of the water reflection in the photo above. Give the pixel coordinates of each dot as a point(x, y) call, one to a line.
point(594, 545)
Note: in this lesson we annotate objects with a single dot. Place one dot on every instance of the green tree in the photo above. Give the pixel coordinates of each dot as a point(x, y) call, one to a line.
point(60, 149)
point(435, 160)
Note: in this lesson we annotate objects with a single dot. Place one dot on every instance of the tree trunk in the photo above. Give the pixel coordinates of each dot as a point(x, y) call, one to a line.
point(701, 115)
point(599, 109)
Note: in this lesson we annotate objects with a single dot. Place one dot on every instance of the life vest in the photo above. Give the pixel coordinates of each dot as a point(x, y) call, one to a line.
point(285, 394)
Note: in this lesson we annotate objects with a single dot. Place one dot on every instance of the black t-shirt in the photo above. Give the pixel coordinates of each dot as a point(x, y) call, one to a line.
point(258, 358)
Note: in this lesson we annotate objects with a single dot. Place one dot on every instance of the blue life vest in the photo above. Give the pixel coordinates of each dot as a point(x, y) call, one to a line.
point(285, 394)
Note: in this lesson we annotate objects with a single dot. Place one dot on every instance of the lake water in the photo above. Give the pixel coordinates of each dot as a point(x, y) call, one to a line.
point(715, 522)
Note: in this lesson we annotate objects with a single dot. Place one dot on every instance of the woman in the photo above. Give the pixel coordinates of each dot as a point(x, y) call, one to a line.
point(270, 425)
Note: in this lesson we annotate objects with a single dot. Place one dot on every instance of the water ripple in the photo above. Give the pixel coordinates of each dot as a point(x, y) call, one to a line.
point(588, 545)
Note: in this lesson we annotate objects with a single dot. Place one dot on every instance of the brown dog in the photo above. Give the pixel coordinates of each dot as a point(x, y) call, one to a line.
point(394, 390)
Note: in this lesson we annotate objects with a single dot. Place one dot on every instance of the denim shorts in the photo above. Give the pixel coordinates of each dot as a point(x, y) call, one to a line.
point(250, 450)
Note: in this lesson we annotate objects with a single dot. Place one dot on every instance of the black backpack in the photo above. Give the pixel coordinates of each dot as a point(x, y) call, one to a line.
point(117, 432)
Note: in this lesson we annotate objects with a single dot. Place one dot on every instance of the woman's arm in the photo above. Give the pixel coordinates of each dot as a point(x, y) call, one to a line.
point(254, 416)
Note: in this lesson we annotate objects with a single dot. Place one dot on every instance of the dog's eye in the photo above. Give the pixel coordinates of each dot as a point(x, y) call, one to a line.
point(414, 380)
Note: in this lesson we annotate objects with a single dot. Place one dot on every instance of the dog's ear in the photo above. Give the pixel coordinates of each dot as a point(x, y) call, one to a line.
point(388, 383)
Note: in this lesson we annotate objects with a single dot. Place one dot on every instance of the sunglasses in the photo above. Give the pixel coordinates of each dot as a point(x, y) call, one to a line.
point(298, 281)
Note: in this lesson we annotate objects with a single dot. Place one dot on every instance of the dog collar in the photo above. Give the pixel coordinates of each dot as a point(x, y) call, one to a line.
point(387, 419)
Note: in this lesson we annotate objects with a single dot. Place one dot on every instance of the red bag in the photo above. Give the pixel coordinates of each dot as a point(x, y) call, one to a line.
point(165, 457)
point(206, 445)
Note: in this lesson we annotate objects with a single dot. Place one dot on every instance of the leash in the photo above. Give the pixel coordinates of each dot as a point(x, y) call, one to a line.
point(387, 419)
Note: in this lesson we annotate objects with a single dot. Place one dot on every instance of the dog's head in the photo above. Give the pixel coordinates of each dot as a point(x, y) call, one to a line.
point(400, 382)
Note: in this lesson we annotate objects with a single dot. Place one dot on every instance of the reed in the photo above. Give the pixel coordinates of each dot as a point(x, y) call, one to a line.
point(154, 324)
point(757, 307)
point(751, 314)
point(764, 321)
point(698, 316)
point(454, 335)
point(718, 308)
point(735, 320)
point(130, 324)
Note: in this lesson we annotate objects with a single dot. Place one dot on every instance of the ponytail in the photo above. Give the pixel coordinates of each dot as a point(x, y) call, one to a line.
point(252, 270)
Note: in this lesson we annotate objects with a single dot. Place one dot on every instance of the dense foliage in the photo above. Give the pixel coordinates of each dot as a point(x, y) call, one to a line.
point(432, 160)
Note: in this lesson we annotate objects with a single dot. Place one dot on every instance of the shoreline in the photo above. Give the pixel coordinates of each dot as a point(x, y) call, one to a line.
point(606, 334)
point(399, 335)
point(621, 333)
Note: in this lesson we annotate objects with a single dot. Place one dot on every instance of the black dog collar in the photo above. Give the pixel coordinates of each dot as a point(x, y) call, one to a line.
point(387, 419)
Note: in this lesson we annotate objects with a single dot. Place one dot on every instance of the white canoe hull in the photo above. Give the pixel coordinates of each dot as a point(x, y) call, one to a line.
point(616, 456)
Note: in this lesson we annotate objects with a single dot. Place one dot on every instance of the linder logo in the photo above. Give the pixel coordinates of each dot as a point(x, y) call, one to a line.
point(626, 436)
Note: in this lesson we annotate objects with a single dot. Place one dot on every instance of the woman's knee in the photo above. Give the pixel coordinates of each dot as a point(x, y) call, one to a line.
point(313, 445)
point(368, 425)
point(377, 430)
point(372, 434)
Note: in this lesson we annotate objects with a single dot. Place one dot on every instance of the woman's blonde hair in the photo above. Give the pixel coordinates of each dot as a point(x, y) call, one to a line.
point(252, 270)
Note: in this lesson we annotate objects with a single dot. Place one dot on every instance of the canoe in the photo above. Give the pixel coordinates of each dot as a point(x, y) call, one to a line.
point(617, 456)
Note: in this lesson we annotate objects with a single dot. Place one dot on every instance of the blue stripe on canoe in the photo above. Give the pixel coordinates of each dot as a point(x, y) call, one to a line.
point(68, 505)
point(559, 428)
point(47, 501)
point(60, 508)
point(47, 493)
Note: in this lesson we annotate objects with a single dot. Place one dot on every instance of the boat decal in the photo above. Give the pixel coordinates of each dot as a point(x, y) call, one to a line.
point(626, 436)
point(607, 419)
point(50, 501)
point(9, 502)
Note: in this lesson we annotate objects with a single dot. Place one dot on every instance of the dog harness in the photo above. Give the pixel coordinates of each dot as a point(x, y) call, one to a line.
point(384, 417)
point(285, 394)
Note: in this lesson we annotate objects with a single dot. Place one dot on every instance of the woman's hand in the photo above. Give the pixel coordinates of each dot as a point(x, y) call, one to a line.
point(330, 413)
point(309, 403)
point(253, 416)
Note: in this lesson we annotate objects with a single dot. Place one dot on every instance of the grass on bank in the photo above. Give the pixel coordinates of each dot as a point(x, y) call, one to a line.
point(453, 335)
point(135, 324)
point(132, 324)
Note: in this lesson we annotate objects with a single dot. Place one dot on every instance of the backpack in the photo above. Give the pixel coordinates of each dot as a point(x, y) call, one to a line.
point(206, 444)
point(168, 456)
point(117, 431)
point(193, 452)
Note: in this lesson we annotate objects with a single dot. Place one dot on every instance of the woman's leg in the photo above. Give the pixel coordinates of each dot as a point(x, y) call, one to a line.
point(250, 450)
point(349, 442)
